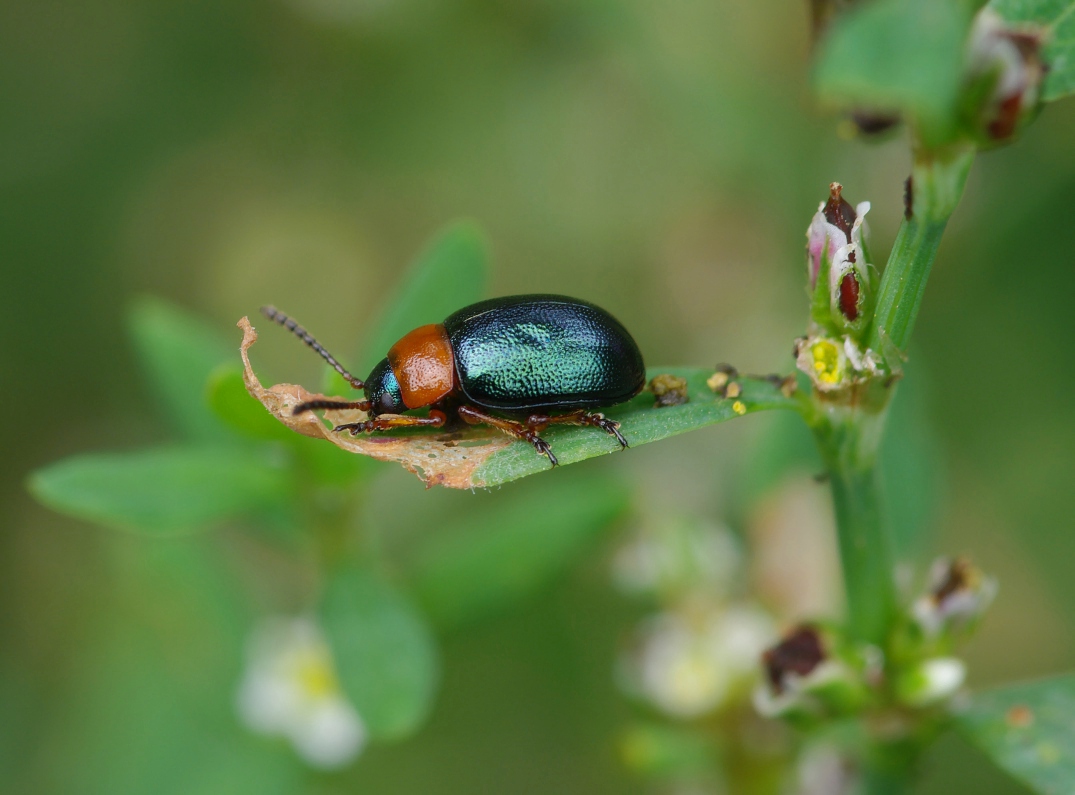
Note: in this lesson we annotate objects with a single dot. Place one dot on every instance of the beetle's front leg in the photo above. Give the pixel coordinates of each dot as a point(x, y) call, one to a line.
point(436, 419)
point(475, 416)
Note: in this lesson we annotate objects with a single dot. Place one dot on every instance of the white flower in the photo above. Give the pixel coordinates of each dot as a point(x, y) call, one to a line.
point(1011, 57)
point(959, 593)
point(688, 665)
point(289, 688)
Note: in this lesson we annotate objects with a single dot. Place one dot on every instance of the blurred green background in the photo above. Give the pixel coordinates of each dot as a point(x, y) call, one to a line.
point(662, 160)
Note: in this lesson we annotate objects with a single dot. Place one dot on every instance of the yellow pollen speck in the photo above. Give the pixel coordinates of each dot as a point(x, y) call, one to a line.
point(826, 361)
point(739, 408)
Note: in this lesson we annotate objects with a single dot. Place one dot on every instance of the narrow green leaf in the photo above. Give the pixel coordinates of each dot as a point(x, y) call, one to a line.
point(898, 55)
point(1057, 20)
point(1028, 730)
point(163, 491)
point(640, 423)
point(450, 274)
point(178, 352)
point(385, 654)
point(496, 558)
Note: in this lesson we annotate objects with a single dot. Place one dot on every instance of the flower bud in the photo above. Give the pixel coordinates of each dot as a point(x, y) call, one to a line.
point(958, 595)
point(807, 676)
point(1006, 73)
point(837, 265)
point(931, 681)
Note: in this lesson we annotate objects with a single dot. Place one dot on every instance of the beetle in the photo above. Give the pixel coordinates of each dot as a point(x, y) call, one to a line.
point(519, 363)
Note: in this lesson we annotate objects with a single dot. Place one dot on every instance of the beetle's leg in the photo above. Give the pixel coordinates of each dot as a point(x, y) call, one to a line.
point(436, 419)
point(475, 416)
point(539, 422)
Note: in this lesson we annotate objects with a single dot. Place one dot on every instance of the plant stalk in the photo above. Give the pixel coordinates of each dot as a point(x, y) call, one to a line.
point(937, 183)
point(849, 439)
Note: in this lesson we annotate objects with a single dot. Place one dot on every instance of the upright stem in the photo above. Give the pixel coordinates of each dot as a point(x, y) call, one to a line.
point(849, 432)
point(937, 183)
point(849, 440)
point(849, 429)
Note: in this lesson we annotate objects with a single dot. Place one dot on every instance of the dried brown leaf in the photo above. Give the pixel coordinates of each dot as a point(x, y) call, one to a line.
point(446, 459)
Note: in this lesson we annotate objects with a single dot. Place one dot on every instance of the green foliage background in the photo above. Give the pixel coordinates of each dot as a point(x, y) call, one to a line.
point(661, 160)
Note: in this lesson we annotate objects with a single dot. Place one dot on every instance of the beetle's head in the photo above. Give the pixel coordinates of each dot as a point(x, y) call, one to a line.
point(382, 390)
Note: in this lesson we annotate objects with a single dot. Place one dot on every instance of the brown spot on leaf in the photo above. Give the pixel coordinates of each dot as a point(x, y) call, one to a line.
point(437, 459)
point(1019, 717)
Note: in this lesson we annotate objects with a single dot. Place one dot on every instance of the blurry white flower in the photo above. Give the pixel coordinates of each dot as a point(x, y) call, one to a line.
point(1009, 58)
point(289, 688)
point(677, 555)
point(958, 594)
point(931, 681)
point(687, 665)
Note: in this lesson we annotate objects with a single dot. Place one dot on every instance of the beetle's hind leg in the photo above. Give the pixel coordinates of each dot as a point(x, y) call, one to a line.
point(522, 431)
point(538, 422)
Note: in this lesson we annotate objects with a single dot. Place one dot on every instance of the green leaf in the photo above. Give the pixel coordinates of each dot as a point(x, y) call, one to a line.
point(179, 352)
point(384, 651)
point(898, 55)
point(1028, 730)
point(450, 274)
point(163, 491)
point(494, 559)
point(1057, 18)
point(640, 423)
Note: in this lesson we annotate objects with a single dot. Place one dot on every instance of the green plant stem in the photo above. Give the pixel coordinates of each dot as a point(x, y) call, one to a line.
point(849, 438)
point(849, 431)
point(938, 180)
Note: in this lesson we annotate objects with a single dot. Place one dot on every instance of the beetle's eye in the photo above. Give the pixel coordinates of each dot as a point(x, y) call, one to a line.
point(387, 404)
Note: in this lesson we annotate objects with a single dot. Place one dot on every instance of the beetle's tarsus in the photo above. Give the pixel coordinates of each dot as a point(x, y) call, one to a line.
point(611, 427)
point(544, 449)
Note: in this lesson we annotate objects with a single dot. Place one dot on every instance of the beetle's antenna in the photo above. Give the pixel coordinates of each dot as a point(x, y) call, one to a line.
point(314, 405)
point(273, 314)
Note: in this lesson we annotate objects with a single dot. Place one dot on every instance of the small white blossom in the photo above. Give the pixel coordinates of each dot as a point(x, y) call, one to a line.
point(1011, 57)
point(289, 688)
point(688, 665)
point(959, 593)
